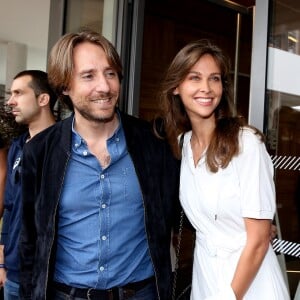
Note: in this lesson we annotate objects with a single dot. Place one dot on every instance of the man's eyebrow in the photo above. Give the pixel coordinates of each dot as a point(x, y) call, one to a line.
point(92, 70)
point(9, 92)
point(86, 71)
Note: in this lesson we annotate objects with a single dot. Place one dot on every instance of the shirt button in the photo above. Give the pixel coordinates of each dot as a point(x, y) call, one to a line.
point(103, 205)
point(101, 269)
point(76, 145)
point(102, 176)
point(104, 238)
point(117, 139)
point(85, 153)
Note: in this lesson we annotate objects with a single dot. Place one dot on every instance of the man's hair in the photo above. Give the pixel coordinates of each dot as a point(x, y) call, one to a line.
point(40, 84)
point(61, 62)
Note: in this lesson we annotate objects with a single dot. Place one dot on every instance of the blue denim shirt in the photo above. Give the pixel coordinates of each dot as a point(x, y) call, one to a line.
point(101, 233)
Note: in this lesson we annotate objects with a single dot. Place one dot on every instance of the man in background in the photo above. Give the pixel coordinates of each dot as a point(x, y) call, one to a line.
point(31, 102)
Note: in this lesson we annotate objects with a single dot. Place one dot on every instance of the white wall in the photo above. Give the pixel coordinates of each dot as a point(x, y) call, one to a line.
point(24, 22)
point(283, 71)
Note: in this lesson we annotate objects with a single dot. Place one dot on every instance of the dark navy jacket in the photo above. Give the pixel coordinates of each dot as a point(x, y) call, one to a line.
point(45, 161)
point(12, 208)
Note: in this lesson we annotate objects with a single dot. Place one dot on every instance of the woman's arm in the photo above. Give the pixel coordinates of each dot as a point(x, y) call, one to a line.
point(257, 244)
point(255, 173)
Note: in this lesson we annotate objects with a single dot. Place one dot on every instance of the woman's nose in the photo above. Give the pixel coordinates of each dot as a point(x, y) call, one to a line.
point(205, 85)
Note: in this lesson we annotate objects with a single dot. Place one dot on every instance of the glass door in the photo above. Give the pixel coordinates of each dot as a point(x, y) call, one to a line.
point(168, 30)
point(282, 123)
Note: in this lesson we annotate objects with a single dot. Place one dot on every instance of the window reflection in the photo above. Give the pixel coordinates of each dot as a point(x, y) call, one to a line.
point(283, 123)
point(98, 15)
point(285, 25)
point(84, 13)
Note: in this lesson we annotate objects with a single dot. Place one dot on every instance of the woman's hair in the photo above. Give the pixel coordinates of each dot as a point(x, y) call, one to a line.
point(61, 63)
point(225, 139)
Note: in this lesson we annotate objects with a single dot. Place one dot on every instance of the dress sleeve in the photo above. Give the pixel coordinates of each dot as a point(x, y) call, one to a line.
point(255, 171)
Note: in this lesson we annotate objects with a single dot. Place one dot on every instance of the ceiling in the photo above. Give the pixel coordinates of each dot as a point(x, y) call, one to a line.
point(247, 3)
point(287, 14)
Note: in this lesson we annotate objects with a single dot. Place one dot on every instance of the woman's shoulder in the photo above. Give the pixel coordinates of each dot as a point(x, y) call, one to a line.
point(250, 140)
point(250, 135)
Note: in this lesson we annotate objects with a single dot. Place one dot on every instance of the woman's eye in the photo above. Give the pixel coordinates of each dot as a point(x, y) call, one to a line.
point(194, 78)
point(216, 78)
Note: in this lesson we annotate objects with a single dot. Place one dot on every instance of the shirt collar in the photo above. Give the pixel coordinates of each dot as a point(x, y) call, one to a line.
point(78, 140)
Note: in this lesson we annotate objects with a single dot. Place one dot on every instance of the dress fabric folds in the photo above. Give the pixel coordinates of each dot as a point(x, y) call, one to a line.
point(216, 205)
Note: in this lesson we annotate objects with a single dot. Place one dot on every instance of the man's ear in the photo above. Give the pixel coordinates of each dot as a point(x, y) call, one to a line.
point(65, 92)
point(43, 99)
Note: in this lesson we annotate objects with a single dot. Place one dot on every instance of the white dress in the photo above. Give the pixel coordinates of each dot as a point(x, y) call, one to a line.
point(215, 204)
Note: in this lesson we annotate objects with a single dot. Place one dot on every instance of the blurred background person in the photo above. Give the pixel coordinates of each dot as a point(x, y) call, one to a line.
point(31, 102)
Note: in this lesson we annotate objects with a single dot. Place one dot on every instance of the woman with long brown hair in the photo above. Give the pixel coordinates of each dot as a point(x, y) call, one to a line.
point(226, 184)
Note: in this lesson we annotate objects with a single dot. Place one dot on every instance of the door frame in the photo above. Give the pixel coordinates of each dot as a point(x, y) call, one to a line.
point(258, 75)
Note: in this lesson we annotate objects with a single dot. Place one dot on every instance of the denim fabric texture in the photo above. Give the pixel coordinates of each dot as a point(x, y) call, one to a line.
point(11, 290)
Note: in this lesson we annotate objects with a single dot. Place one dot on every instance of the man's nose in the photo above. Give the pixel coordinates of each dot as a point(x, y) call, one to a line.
point(103, 85)
point(11, 101)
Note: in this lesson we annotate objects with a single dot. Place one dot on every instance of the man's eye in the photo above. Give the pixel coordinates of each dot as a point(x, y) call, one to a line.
point(111, 74)
point(87, 76)
point(15, 93)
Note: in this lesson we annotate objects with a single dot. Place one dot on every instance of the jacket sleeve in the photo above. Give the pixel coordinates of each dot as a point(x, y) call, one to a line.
point(172, 170)
point(28, 234)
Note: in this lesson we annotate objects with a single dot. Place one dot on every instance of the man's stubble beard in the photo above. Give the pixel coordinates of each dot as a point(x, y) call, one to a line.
point(97, 119)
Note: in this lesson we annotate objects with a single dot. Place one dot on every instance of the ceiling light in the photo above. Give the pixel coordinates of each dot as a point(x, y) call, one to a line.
point(291, 38)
